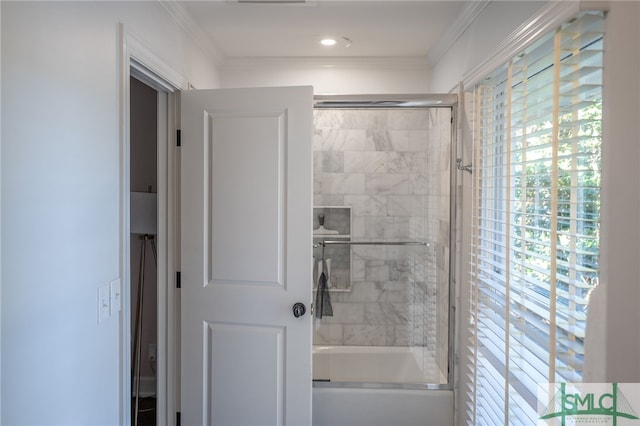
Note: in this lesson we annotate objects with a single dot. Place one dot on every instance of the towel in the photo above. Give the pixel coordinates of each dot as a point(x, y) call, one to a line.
point(322, 307)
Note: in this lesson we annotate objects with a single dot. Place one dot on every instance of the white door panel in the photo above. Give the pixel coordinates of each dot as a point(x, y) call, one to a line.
point(246, 250)
point(254, 164)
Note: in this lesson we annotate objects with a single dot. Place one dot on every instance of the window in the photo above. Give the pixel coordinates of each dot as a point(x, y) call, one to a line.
point(536, 209)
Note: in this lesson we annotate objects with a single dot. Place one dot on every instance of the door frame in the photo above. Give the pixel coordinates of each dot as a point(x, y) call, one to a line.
point(140, 62)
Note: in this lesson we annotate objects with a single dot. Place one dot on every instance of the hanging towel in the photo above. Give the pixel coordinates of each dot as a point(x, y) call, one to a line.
point(322, 307)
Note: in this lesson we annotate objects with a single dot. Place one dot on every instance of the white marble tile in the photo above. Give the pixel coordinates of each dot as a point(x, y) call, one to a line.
point(317, 186)
point(418, 184)
point(327, 119)
point(357, 270)
point(417, 228)
point(340, 278)
point(328, 162)
point(376, 270)
point(399, 162)
point(419, 140)
point(402, 270)
point(327, 334)
point(394, 291)
point(369, 252)
point(343, 183)
point(386, 313)
point(367, 205)
point(397, 335)
point(419, 272)
point(364, 119)
point(387, 184)
point(328, 200)
point(364, 292)
point(416, 161)
point(364, 335)
point(408, 119)
point(347, 313)
point(316, 144)
point(378, 162)
point(375, 226)
point(400, 140)
point(342, 140)
point(439, 122)
point(379, 140)
point(366, 162)
point(357, 228)
point(401, 205)
point(387, 228)
point(396, 286)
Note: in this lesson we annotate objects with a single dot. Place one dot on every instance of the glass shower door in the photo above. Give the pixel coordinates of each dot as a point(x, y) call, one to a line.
point(382, 208)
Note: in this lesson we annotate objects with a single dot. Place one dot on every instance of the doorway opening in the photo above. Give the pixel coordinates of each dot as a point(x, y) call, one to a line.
point(143, 150)
point(150, 352)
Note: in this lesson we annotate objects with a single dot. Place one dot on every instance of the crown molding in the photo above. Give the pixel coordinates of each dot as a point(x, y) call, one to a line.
point(406, 63)
point(178, 13)
point(449, 37)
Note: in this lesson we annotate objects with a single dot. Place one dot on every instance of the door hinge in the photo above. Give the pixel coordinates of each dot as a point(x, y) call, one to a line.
point(178, 137)
point(178, 283)
point(177, 418)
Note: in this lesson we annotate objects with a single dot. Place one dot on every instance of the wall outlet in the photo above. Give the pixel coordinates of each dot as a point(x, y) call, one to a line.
point(153, 351)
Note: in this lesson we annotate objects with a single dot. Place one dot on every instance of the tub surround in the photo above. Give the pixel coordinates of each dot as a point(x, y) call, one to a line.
point(390, 166)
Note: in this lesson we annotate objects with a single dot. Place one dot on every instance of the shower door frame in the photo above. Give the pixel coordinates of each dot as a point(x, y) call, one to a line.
point(413, 101)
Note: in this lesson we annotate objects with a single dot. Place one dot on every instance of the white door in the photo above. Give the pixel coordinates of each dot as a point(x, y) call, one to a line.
point(246, 256)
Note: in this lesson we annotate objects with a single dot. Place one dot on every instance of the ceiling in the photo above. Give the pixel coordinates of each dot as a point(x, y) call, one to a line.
point(294, 28)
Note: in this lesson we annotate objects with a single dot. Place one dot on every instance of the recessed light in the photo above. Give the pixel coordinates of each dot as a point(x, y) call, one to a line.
point(328, 42)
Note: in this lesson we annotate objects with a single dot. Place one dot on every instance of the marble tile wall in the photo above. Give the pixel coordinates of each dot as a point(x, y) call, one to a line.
point(440, 168)
point(392, 168)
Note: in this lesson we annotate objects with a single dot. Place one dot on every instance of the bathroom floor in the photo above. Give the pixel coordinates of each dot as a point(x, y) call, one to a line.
point(147, 412)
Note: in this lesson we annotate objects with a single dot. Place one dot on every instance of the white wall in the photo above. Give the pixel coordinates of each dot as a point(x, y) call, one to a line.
point(60, 208)
point(620, 228)
point(330, 75)
point(479, 41)
point(614, 345)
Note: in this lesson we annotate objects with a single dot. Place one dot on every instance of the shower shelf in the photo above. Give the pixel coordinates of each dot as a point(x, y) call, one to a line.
point(331, 236)
point(337, 220)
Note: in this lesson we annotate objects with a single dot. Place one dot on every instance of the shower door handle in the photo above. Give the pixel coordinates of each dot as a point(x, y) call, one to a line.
point(299, 309)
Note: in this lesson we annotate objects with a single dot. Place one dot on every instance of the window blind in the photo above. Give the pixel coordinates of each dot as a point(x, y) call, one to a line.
point(536, 203)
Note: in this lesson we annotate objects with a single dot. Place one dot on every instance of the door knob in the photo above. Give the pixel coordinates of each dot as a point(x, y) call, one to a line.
point(299, 309)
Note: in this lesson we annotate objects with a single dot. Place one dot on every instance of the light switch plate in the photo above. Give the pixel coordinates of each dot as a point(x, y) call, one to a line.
point(104, 310)
point(116, 296)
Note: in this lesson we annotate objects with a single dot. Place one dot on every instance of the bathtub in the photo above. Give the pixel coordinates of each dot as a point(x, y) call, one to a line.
point(378, 386)
point(375, 364)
